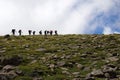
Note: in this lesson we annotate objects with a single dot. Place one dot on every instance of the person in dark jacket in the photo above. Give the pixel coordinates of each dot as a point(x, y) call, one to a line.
point(40, 32)
point(13, 31)
point(45, 32)
point(33, 32)
point(56, 33)
point(51, 32)
point(29, 31)
point(20, 32)
point(48, 32)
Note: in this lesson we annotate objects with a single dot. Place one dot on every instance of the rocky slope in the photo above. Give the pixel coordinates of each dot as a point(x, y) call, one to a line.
point(63, 57)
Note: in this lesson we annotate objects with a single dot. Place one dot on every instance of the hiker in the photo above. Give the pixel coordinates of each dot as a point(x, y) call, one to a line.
point(20, 32)
point(51, 32)
point(29, 31)
point(13, 31)
point(56, 32)
point(40, 32)
point(48, 32)
point(45, 32)
point(33, 32)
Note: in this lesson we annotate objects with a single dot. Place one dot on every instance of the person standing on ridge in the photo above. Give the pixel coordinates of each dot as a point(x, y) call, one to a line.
point(40, 32)
point(56, 33)
point(20, 32)
point(51, 32)
point(33, 32)
point(29, 31)
point(13, 31)
point(48, 32)
point(45, 32)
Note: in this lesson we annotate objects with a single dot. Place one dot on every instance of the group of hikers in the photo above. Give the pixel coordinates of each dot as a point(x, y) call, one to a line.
point(30, 32)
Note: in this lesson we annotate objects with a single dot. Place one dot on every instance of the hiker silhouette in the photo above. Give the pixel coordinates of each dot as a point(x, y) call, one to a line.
point(29, 31)
point(40, 32)
point(51, 32)
point(13, 31)
point(56, 33)
point(33, 32)
point(45, 32)
point(20, 32)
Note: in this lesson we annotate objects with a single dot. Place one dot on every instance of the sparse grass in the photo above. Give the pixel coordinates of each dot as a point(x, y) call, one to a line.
point(95, 46)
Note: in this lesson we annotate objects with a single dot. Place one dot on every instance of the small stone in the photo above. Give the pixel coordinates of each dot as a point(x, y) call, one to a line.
point(83, 55)
point(34, 61)
point(68, 57)
point(40, 78)
point(107, 75)
point(41, 49)
point(2, 51)
point(65, 72)
point(89, 77)
point(76, 73)
point(80, 66)
point(76, 79)
point(19, 72)
point(60, 64)
point(64, 68)
point(52, 66)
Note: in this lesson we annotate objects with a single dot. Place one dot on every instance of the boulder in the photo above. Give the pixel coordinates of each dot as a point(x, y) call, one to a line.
point(3, 76)
point(89, 77)
point(113, 59)
point(8, 68)
point(110, 71)
point(8, 76)
point(97, 73)
point(13, 60)
point(7, 36)
point(12, 75)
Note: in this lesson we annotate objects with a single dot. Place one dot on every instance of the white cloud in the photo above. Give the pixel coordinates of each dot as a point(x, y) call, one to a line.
point(67, 16)
point(107, 30)
point(116, 32)
point(60, 13)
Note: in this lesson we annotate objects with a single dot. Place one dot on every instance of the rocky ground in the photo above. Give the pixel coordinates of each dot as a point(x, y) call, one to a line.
point(63, 57)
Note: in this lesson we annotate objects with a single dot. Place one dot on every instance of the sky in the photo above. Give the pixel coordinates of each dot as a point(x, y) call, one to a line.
point(65, 16)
